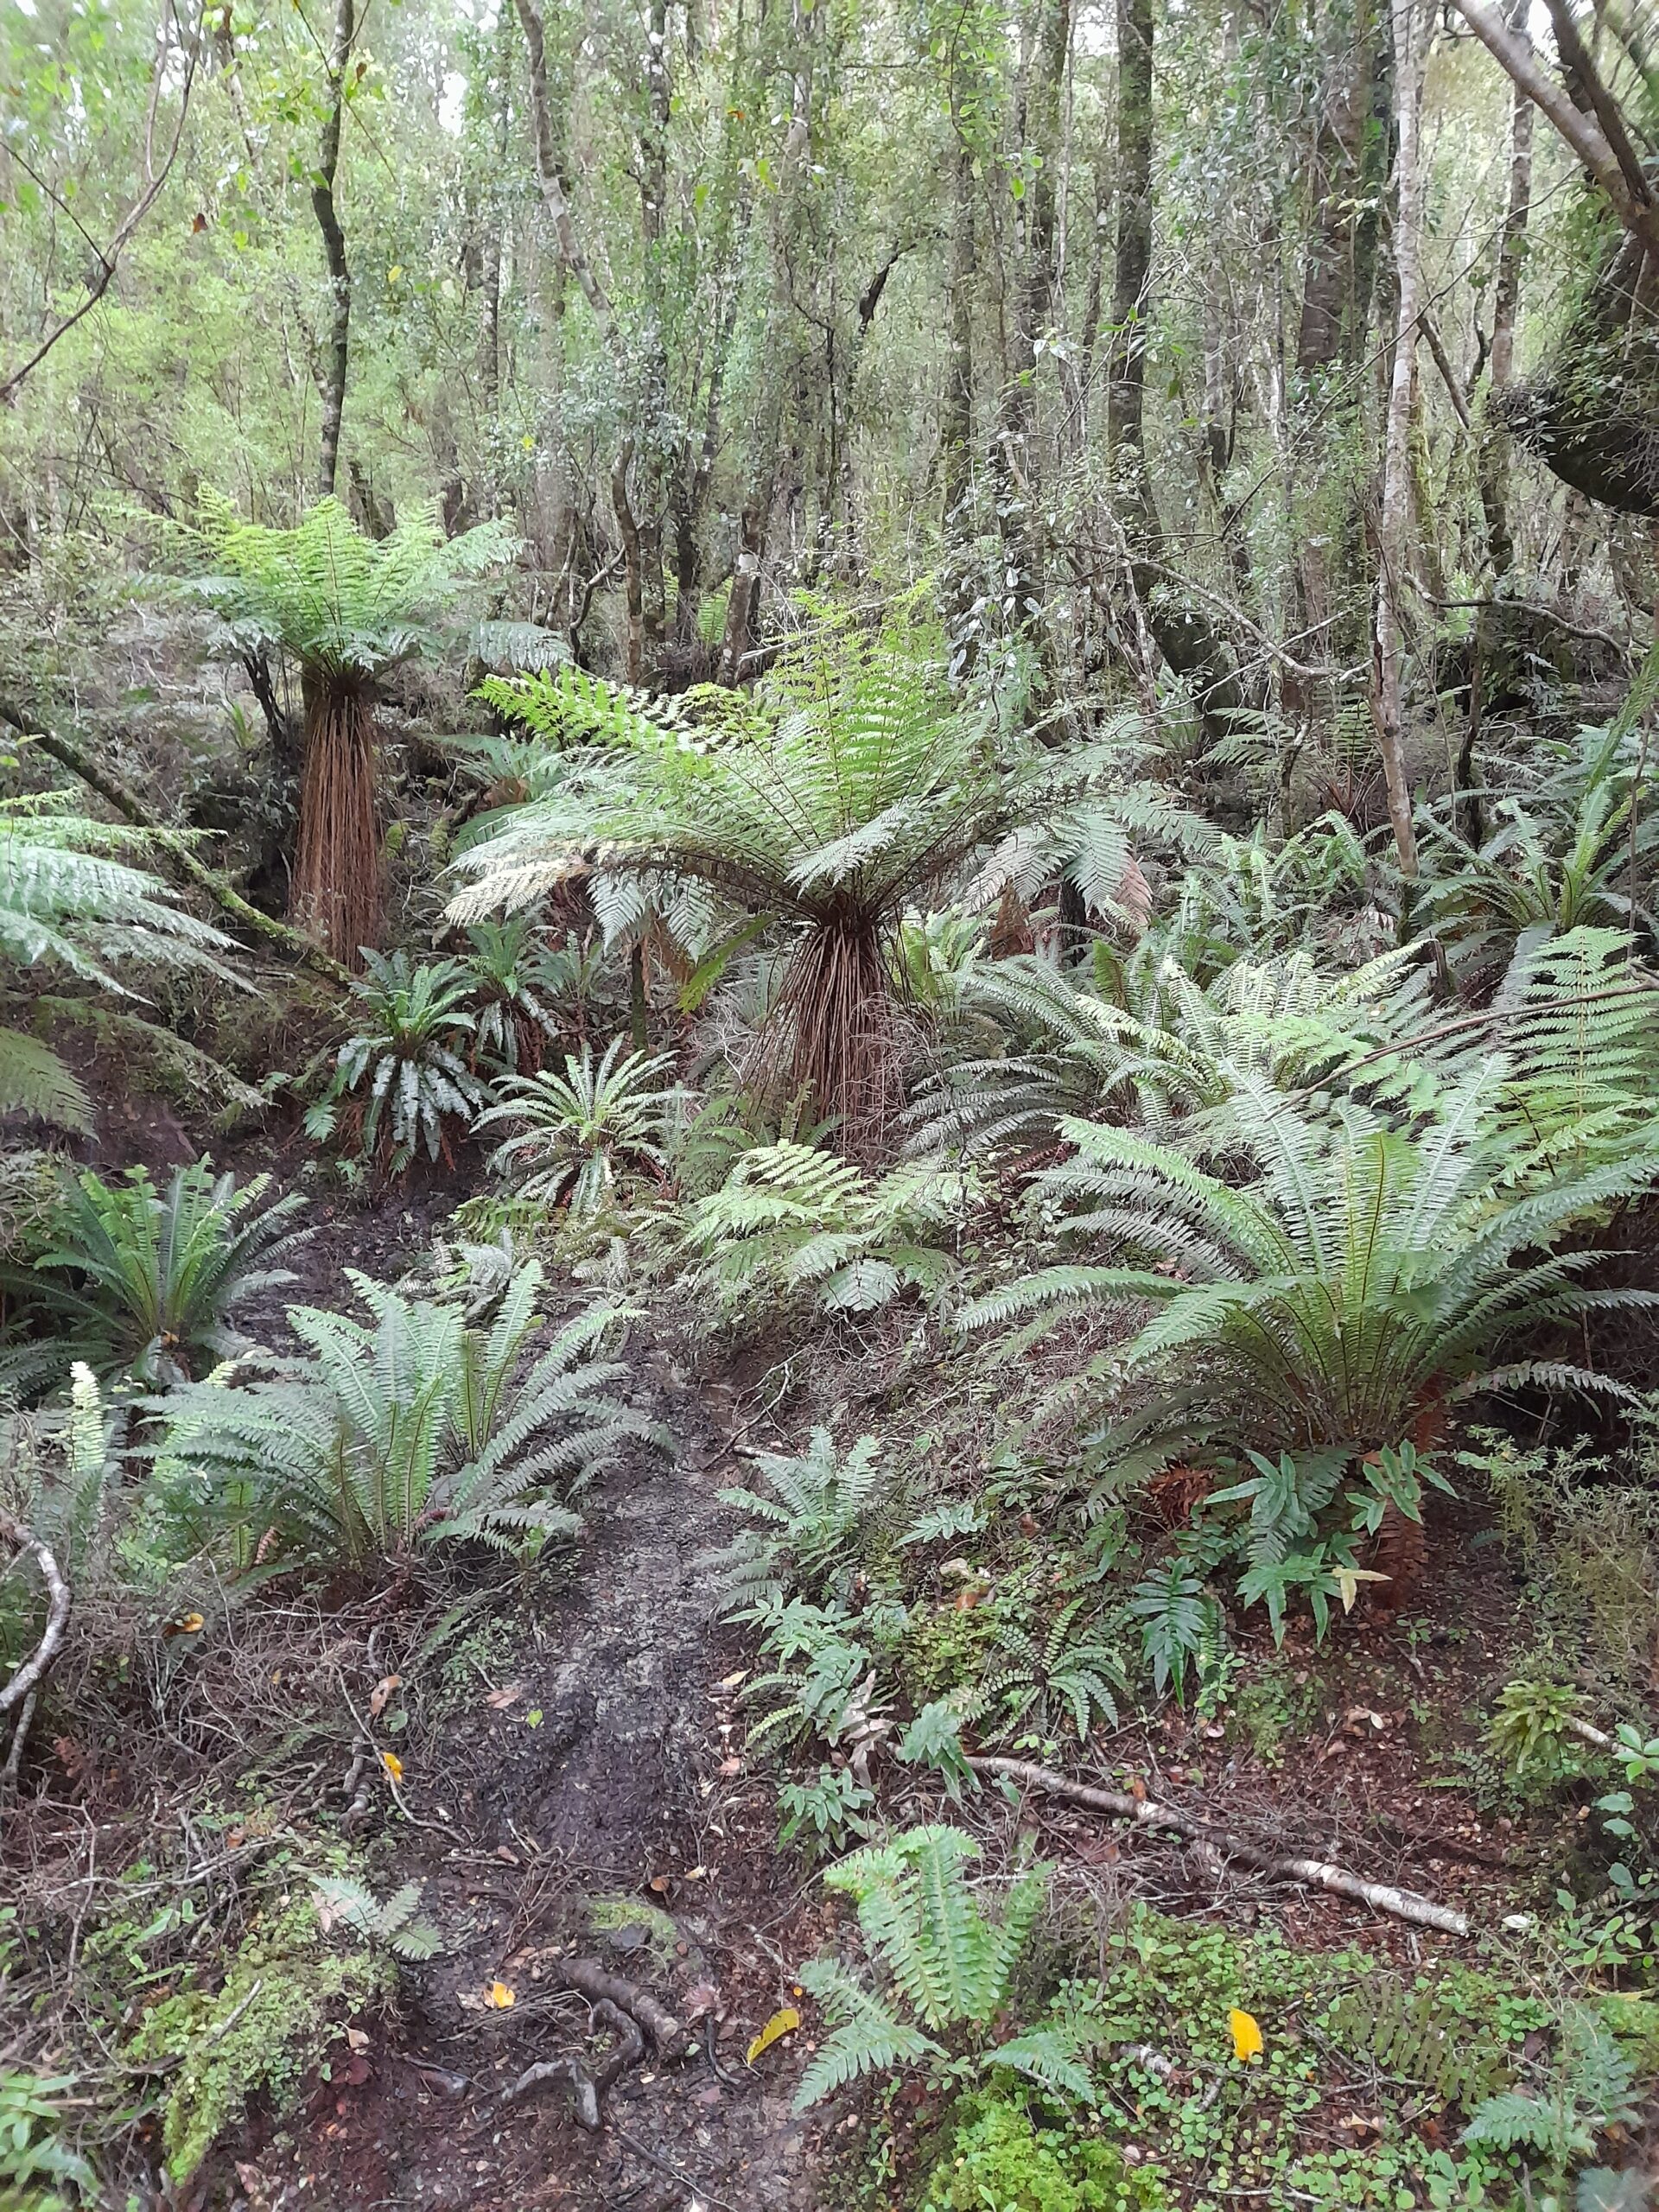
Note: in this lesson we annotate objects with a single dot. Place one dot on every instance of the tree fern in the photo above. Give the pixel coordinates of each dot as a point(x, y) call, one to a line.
point(853, 786)
point(345, 608)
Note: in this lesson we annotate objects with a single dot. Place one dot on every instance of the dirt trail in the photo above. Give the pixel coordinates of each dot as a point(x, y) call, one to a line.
point(563, 1823)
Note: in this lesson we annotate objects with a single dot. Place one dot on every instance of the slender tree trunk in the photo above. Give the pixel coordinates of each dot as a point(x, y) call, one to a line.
point(337, 346)
point(1184, 636)
point(1326, 334)
point(650, 438)
point(633, 580)
point(957, 414)
point(1019, 461)
point(775, 367)
point(1493, 453)
point(1394, 531)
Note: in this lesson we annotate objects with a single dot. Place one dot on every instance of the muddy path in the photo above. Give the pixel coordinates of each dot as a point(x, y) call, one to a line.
point(588, 1801)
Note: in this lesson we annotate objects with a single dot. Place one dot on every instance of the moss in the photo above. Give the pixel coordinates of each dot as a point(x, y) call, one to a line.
point(607, 1914)
point(1000, 2156)
point(287, 1996)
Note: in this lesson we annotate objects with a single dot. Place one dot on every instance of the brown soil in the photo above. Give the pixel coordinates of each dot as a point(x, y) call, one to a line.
point(626, 1788)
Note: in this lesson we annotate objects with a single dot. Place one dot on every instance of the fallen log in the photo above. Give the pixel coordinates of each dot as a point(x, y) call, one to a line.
point(1315, 1873)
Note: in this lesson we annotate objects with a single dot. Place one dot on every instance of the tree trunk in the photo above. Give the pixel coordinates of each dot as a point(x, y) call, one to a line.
point(1018, 460)
point(957, 415)
point(337, 348)
point(1327, 333)
point(336, 896)
point(1394, 531)
point(1492, 460)
point(774, 369)
point(1185, 637)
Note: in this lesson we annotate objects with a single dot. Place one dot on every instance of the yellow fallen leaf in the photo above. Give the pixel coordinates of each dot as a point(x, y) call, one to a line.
point(1246, 2037)
point(187, 1624)
point(780, 2025)
point(498, 1996)
point(393, 1765)
point(394, 272)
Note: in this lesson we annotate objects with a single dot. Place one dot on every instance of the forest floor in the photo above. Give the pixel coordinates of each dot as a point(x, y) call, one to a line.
point(582, 1806)
point(582, 1789)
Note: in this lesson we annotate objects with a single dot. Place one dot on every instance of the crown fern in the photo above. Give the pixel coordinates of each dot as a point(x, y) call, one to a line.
point(413, 1428)
point(1363, 1278)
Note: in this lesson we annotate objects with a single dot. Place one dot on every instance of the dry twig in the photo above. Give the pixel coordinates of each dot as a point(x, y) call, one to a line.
point(1316, 1874)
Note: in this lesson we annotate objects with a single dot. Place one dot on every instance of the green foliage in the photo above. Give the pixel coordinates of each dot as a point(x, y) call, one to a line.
point(855, 786)
point(1411, 2031)
point(1291, 1543)
point(1587, 2087)
point(1530, 1730)
point(570, 1134)
point(1366, 1275)
point(70, 900)
point(818, 1510)
point(939, 1956)
point(999, 2155)
point(413, 1429)
point(790, 1222)
point(409, 1059)
point(40, 2170)
point(342, 1902)
point(1572, 846)
point(288, 1993)
point(513, 982)
point(1038, 1678)
point(60, 1476)
point(1138, 1037)
point(138, 1283)
point(829, 1808)
point(340, 603)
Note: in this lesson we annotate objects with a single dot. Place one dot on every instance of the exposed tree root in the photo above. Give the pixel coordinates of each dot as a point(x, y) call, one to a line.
point(585, 2086)
point(599, 1987)
point(1382, 1896)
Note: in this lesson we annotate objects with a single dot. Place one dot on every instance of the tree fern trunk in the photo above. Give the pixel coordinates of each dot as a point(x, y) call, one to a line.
point(336, 894)
point(836, 1002)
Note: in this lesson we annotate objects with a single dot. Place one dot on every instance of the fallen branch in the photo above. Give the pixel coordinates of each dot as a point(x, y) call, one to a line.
point(57, 1612)
point(73, 755)
point(1118, 1805)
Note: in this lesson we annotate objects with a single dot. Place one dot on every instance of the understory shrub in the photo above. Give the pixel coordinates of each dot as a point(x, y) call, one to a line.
point(138, 1283)
point(416, 1428)
point(406, 1072)
point(1365, 1278)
